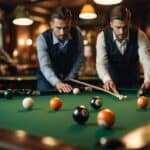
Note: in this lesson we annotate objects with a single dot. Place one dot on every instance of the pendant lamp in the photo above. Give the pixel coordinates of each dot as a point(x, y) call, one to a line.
point(108, 2)
point(22, 17)
point(88, 12)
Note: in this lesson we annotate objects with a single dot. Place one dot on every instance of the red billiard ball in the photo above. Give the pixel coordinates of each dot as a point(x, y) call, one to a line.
point(55, 103)
point(142, 102)
point(96, 102)
point(105, 118)
point(80, 114)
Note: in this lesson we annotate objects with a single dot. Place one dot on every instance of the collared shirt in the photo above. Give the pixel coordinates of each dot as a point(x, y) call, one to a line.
point(61, 45)
point(45, 62)
point(122, 45)
point(102, 59)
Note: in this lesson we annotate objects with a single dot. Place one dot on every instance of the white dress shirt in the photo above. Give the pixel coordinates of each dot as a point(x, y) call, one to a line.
point(102, 59)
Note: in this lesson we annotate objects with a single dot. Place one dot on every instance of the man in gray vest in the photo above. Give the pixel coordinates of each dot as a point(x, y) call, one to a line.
point(60, 53)
point(120, 49)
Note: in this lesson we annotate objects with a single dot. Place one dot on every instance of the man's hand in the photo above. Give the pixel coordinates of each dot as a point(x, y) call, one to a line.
point(145, 86)
point(110, 86)
point(63, 87)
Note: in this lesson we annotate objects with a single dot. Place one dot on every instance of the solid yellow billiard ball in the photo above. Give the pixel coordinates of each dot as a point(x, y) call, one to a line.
point(27, 103)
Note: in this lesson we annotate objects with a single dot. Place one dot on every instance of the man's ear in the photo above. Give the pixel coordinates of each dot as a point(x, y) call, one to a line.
point(111, 24)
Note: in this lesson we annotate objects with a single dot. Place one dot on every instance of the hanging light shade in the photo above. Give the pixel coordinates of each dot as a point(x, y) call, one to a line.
point(87, 12)
point(108, 2)
point(22, 17)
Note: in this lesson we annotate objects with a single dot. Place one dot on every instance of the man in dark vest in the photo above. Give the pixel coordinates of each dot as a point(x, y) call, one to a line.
point(60, 53)
point(120, 50)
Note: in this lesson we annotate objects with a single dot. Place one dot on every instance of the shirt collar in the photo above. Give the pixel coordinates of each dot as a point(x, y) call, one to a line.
point(56, 41)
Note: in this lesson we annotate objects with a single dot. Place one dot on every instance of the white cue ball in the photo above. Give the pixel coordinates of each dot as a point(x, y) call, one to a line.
point(76, 91)
point(27, 103)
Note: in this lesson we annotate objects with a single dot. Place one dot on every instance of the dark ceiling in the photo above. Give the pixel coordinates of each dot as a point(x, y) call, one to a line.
point(40, 10)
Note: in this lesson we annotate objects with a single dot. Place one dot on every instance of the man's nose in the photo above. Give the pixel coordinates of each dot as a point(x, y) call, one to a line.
point(62, 31)
point(121, 31)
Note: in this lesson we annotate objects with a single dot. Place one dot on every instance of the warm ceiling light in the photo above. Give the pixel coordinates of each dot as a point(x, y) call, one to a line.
point(108, 2)
point(22, 17)
point(87, 12)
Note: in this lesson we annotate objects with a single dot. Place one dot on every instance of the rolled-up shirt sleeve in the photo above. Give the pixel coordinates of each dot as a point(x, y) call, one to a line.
point(79, 59)
point(144, 54)
point(102, 59)
point(45, 62)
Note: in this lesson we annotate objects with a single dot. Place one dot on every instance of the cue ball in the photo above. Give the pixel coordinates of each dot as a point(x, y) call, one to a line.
point(142, 102)
point(105, 118)
point(80, 114)
point(96, 102)
point(76, 91)
point(27, 102)
point(55, 103)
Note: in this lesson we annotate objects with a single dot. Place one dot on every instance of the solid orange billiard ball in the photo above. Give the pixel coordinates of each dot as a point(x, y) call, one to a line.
point(55, 103)
point(142, 102)
point(105, 118)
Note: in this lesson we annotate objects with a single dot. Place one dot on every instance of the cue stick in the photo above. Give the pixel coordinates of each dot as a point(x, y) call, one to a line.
point(117, 95)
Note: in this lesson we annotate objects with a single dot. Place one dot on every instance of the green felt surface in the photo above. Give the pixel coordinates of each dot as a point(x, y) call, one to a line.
point(42, 121)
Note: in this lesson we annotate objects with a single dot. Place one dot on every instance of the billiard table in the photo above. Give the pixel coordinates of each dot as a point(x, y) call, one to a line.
point(41, 120)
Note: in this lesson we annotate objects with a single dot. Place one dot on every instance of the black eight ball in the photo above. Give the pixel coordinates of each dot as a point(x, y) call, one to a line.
point(8, 94)
point(80, 114)
point(96, 102)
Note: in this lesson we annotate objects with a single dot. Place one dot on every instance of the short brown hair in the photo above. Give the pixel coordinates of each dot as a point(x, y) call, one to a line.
point(61, 13)
point(120, 12)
